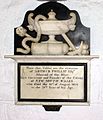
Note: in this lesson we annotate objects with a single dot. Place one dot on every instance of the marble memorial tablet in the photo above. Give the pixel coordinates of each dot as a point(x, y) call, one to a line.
point(52, 54)
point(56, 82)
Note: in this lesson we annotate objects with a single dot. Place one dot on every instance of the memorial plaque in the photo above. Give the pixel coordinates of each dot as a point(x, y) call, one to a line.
point(52, 54)
point(52, 82)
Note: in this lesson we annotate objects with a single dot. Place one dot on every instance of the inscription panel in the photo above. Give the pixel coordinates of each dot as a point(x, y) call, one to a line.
point(52, 82)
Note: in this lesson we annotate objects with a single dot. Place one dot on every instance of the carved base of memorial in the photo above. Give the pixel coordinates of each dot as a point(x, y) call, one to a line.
point(51, 80)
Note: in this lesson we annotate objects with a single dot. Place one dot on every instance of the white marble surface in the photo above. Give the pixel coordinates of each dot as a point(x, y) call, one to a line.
point(11, 15)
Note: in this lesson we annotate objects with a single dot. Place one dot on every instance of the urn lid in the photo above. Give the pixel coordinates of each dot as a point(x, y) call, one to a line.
point(51, 15)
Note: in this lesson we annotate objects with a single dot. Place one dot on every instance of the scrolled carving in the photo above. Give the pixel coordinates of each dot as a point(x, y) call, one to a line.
point(72, 21)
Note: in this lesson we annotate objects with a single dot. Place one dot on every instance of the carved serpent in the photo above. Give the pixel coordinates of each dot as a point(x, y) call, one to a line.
point(22, 32)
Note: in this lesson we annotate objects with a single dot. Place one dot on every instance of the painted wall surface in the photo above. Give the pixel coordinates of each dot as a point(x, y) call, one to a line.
point(11, 15)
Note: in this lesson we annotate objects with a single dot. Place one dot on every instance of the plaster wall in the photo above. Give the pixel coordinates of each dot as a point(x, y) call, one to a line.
point(11, 15)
